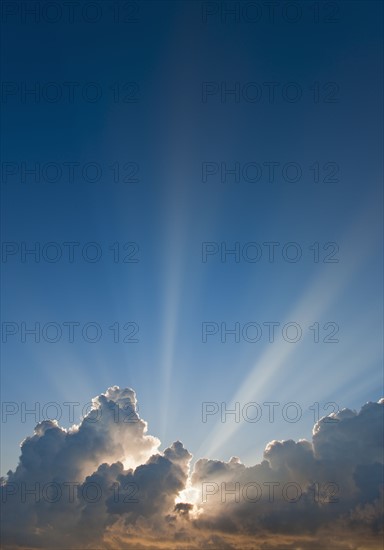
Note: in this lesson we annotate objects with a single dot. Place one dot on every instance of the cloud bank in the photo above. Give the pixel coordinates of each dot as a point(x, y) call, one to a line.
point(105, 484)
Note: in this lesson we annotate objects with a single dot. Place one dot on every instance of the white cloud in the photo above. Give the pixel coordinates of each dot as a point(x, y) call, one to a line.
point(104, 483)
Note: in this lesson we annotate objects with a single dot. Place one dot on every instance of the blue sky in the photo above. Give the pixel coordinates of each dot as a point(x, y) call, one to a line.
point(166, 136)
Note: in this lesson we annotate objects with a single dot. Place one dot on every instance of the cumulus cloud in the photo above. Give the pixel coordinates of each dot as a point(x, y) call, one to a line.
point(105, 484)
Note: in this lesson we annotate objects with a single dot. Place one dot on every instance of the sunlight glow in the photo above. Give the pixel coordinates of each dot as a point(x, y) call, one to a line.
point(315, 302)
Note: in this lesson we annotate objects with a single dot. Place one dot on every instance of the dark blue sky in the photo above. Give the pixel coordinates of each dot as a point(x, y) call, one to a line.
point(149, 114)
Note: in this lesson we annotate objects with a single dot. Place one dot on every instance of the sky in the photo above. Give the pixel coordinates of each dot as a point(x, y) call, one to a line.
point(191, 208)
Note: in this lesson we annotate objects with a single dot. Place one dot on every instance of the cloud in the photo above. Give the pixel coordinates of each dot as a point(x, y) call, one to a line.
point(105, 484)
point(55, 462)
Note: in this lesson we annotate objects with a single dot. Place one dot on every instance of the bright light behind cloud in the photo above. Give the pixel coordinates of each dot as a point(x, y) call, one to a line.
point(185, 185)
point(216, 500)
